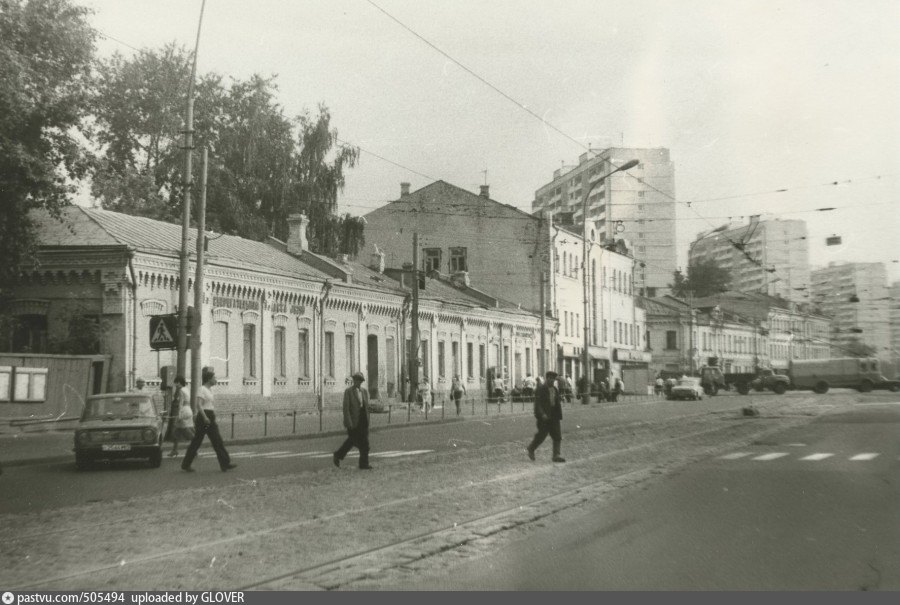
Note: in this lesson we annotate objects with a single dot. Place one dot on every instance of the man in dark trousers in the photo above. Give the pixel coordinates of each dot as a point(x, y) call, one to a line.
point(205, 424)
point(548, 412)
point(356, 421)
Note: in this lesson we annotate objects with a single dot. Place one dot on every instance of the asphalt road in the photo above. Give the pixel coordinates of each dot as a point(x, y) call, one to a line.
point(814, 507)
point(56, 485)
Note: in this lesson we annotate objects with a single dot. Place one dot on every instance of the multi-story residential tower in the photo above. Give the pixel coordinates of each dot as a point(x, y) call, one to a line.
point(771, 257)
point(855, 296)
point(895, 327)
point(637, 205)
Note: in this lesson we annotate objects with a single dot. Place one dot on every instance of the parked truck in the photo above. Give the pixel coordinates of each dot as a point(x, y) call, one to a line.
point(714, 380)
point(861, 373)
point(761, 380)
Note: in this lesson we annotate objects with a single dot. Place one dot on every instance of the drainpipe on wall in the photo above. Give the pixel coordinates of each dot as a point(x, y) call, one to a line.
point(134, 285)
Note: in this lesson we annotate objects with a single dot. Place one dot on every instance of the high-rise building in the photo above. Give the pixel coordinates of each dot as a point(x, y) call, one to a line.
point(855, 296)
point(637, 205)
point(771, 257)
point(895, 327)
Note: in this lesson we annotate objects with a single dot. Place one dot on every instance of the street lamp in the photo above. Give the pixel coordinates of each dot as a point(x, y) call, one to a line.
point(585, 394)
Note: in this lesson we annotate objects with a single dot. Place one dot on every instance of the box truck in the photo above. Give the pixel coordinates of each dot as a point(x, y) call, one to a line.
point(861, 373)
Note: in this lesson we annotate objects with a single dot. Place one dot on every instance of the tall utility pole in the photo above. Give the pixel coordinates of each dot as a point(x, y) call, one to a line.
point(181, 344)
point(414, 346)
point(197, 320)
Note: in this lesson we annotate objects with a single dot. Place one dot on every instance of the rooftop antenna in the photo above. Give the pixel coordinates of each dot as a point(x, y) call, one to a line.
point(484, 172)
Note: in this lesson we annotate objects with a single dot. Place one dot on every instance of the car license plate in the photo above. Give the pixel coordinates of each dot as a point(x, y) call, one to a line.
point(116, 447)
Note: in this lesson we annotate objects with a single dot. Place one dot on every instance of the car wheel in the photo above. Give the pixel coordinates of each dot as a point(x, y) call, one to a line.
point(821, 387)
point(82, 461)
point(894, 388)
point(156, 459)
point(865, 386)
point(779, 388)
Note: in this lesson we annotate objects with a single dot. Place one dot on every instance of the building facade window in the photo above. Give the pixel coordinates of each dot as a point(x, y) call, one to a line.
point(482, 362)
point(328, 354)
point(454, 359)
point(390, 354)
point(303, 353)
point(671, 339)
point(470, 360)
point(426, 358)
point(432, 259)
point(279, 361)
point(442, 360)
point(30, 334)
point(249, 351)
point(458, 260)
point(350, 353)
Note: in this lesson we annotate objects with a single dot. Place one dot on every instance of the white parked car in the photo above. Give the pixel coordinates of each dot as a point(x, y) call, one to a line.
point(687, 387)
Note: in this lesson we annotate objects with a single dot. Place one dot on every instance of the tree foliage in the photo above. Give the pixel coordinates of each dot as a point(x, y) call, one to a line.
point(263, 165)
point(704, 278)
point(46, 49)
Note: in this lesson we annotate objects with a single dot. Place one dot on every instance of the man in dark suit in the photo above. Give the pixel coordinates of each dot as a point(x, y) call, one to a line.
point(548, 412)
point(356, 421)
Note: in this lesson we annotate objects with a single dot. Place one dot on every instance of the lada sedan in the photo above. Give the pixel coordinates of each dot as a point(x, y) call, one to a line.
point(119, 425)
point(687, 387)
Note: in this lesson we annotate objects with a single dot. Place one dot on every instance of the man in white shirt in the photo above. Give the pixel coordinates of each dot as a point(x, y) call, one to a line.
point(205, 424)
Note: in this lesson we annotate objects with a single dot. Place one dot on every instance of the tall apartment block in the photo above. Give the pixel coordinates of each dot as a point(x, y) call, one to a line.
point(771, 257)
point(895, 326)
point(637, 205)
point(855, 296)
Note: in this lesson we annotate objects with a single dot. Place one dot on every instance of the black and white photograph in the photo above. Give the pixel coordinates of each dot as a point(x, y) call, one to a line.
point(435, 296)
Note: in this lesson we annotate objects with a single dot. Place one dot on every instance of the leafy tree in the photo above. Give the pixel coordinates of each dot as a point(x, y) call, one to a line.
point(704, 278)
point(46, 49)
point(263, 165)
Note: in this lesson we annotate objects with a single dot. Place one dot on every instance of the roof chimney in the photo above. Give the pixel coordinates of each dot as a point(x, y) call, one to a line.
point(404, 190)
point(460, 279)
point(297, 241)
point(485, 191)
point(377, 263)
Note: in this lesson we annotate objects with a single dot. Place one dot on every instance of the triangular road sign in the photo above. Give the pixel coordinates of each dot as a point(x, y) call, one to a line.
point(161, 335)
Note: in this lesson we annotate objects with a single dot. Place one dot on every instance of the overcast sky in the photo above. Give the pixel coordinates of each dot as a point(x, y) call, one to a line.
point(750, 97)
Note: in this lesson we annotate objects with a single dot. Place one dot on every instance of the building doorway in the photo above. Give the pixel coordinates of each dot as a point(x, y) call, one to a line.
point(372, 366)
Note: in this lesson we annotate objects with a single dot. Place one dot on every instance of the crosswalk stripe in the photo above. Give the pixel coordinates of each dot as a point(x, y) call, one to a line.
point(866, 456)
point(772, 456)
point(817, 457)
point(735, 455)
point(279, 456)
point(397, 454)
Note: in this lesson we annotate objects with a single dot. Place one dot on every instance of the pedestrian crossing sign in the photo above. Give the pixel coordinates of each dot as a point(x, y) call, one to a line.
point(163, 331)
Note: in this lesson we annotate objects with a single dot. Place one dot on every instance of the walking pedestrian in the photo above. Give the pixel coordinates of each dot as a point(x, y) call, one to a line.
point(548, 412)
point(356, 421)
point(457, 388)
point(205, 424)
point(183, 415)
point(528, 386)
point(425, 393)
